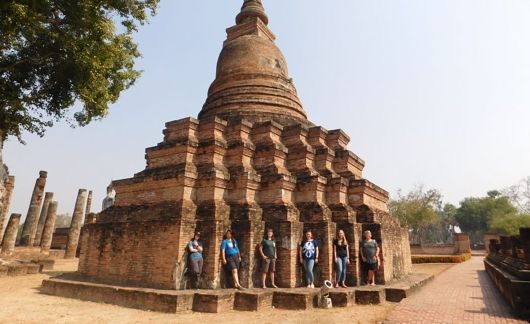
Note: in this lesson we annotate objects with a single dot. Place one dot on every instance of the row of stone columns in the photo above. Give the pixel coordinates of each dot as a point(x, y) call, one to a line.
point(40, 222)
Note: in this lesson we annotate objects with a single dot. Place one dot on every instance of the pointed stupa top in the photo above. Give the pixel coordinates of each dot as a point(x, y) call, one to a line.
point(252, 79)
point(252, 9)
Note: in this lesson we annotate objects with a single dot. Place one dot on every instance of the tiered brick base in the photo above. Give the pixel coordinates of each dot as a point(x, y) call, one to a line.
point(215, 301)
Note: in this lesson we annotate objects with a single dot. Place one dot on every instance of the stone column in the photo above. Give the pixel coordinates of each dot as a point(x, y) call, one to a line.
point(75, 226)
point(9, 186)
point(47, 232)
point(88, 205)
point(524, 237)
point(42, 219)
point(32, 218)
point(8, 243)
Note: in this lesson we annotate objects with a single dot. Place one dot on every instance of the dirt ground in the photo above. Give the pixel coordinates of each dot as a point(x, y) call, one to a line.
point(21, 302)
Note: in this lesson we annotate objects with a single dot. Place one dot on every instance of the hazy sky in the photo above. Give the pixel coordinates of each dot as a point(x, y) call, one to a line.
point(435, 92)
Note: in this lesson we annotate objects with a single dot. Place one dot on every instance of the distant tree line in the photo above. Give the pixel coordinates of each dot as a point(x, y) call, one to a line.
point(430, 220)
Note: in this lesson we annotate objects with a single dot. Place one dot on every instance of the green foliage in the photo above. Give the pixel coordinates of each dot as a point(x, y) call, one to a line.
point(54, 53)
point(509, 224)
point(418, 210)
point(475, 214)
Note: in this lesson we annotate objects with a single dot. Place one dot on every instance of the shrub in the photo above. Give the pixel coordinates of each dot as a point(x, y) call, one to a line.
point(459, 258)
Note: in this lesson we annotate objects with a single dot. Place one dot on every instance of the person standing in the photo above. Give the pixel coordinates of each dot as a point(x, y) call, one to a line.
point(195, 248)
point(267, 250)
point(370, 256)
point(309, 257)
point(341, 254)
point(231, 257)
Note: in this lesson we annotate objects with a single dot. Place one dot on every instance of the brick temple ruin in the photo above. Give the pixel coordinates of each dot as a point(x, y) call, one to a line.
point(250, 161)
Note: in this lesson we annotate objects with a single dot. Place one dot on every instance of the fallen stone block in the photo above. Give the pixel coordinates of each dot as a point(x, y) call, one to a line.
point(14, 270)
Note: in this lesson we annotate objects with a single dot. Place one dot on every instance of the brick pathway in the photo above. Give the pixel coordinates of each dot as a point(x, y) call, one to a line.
point(462, 294)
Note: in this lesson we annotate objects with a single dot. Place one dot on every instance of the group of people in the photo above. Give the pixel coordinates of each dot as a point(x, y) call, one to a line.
point(309, 253)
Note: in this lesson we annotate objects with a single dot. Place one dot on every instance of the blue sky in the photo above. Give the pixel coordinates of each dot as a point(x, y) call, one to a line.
point(431, 92)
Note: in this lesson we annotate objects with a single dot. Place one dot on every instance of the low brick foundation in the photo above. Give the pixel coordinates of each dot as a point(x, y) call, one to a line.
point(516, 291)
point(216, 301)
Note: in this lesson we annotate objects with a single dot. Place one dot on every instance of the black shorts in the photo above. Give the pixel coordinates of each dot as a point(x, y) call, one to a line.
point(232, 262)
point(371, 266)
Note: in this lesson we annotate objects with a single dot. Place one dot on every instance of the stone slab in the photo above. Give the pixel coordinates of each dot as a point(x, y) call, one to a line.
point(33, 268)
point(253, 300)
point(166, 301)
point(370, 295)
point(342, 297)
point(406, 287)
point(14, 270)
point(213, 301)
point(296, 299)
point(46, 264)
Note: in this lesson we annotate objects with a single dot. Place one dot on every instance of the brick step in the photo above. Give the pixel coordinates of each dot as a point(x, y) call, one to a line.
point(405, 288)
point(217, 301)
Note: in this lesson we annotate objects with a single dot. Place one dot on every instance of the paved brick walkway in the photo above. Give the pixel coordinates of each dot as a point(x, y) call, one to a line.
point(462, 294)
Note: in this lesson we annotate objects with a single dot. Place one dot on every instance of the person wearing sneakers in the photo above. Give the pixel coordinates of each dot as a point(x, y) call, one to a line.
point(309, 257)
point(267, 250)
point(231, 257)
point(341, 254)
point(370, 255)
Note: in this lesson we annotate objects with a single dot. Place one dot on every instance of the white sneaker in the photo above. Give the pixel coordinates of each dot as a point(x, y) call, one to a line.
point(312, 286)
point(308, 286)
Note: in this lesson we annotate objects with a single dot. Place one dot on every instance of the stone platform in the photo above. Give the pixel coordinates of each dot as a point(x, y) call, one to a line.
point(216, 301)
point(22, 268)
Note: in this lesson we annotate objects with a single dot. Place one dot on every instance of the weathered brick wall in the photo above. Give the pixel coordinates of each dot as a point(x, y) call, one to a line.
point(244, 177)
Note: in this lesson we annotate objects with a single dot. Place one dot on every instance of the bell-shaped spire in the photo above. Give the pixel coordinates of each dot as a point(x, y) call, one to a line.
point(252, 9)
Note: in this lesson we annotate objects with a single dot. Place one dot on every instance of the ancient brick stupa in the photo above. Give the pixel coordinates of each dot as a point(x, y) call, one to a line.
point(251, 160)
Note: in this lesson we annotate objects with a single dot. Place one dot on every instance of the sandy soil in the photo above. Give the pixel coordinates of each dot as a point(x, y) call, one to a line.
point(21, 302)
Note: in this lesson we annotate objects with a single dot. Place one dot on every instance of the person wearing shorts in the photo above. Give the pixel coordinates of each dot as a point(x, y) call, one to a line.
point(267, 250)
point(370, 255)
point(231, 257)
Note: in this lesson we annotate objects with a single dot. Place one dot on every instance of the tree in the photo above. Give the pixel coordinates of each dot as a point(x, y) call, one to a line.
point(475, 214)
point(510, 224)
point(418, 210)
point(519, 194)
point(54, 53)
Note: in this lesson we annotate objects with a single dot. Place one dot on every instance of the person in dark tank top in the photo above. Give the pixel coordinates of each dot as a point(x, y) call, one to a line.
point(341, 256)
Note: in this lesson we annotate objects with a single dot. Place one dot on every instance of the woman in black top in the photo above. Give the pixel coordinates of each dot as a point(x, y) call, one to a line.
point(342, 258)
